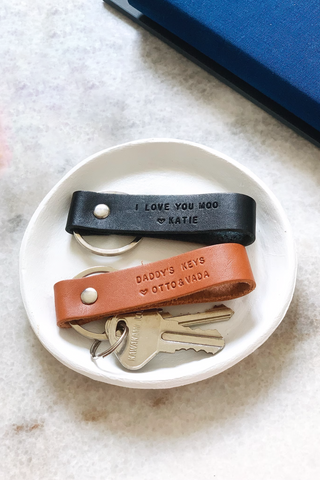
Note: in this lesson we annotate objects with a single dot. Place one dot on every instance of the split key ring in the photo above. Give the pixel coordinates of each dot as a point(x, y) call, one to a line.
point(99, 337)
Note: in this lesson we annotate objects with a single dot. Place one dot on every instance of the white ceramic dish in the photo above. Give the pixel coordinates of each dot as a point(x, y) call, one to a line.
point(161, 166)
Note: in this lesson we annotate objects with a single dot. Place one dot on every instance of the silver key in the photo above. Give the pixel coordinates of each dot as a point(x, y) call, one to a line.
point(149, 334)
point(220, 313)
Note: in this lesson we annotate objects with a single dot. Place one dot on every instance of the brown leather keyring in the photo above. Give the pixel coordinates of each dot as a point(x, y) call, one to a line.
point(210, 274)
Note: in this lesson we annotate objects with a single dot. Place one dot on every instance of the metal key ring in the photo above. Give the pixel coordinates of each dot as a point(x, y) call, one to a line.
point(106, 252)
point(113, 347)
point(86, 333)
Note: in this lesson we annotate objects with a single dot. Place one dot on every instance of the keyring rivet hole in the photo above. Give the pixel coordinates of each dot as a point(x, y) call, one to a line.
point(101, 211)
point(121, 325)
point(89, 296)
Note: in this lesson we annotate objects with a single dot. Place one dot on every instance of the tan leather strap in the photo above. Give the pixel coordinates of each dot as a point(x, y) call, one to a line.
point(216, 273)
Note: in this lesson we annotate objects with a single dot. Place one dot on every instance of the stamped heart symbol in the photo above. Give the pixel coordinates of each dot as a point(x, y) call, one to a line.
point(161, 220)
point(143, 292)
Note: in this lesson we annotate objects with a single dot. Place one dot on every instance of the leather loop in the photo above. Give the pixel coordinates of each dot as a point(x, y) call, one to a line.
point(209, 274)
point(206, 218)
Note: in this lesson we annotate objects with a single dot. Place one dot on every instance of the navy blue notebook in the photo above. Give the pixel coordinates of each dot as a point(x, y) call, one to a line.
point(270, 50)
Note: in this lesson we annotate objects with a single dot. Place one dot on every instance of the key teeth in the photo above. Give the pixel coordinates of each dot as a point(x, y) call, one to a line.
point(200, 348)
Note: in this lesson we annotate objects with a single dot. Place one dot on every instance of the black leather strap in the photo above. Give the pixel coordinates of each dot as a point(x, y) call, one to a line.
point(206, 218)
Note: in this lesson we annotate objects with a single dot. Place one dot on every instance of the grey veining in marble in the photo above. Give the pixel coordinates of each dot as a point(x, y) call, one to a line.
point(77, 77)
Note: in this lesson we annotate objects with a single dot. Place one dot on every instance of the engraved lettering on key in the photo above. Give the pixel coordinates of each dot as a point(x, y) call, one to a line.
point(156, 206)
point(197, 274)
point(208, 205)
point(196, 277)
point(133, 345)
point(183, 220)
point(156, 334)
point(189, 279)
point(192, 263)
point(184, 206)
point(156, 274)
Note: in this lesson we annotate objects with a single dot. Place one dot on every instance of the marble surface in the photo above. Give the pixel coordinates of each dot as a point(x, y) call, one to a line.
point(77, 77)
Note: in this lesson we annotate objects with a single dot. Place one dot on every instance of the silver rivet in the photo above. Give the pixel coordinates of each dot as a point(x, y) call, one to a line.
point(89, 295)
point(101, 211)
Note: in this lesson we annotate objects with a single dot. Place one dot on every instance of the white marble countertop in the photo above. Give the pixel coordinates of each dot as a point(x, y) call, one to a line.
point(76, 78)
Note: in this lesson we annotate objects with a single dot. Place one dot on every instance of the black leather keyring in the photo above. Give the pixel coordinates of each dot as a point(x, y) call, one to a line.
point(208, 219)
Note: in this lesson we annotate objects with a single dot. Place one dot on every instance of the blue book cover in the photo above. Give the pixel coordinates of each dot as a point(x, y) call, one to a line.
point(273, 45)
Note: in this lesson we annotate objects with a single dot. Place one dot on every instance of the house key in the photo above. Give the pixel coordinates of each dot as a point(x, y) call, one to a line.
point(219, 313)
point(149, 333)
